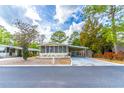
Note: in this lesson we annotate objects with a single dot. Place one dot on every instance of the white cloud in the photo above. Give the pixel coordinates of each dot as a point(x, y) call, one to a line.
point(9, 27)
point(46, 31)
point(63, 12)
point(74, 27)
point(31, 13)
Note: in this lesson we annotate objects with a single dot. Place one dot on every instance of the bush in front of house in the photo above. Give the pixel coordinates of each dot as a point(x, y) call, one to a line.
point(111, 55)
point(119, 56)
point(98, 55)
point(108, 55)
point(25, 53)
point(32, 54)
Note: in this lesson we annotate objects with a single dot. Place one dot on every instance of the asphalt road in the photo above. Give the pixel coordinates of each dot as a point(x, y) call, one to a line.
point(53, 77)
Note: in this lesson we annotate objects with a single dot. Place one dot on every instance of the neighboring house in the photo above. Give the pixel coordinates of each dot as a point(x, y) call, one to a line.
point(120, 48)
point(13, 51)
point(62, 50)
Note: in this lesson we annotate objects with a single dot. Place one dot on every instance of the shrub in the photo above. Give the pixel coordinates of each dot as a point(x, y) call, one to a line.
point(108, 55)
point(25, 53)
point(119, 56)
point(30, 54)
point(98, 55)
point(111, 55)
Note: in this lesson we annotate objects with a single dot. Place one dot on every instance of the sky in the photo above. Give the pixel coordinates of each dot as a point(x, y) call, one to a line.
point(49, 18)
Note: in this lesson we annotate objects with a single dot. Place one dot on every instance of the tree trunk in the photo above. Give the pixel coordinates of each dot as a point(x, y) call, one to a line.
point(113, 10)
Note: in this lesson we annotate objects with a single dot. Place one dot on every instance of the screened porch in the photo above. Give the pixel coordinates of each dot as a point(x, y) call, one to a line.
point(54, 51)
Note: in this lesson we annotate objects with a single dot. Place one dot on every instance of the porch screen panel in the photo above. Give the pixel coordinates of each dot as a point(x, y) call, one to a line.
point(64, 49)
point(56, 49)
point(51, 49)
point(60, 49)
point(43, 49)
point(47, 49)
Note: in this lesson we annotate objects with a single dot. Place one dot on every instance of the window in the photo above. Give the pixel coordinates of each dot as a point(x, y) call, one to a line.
point(51, 49)
point(47, 49)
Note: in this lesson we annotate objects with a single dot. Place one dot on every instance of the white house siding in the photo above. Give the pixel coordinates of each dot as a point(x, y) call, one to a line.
point(61, 50)
point(12, 51)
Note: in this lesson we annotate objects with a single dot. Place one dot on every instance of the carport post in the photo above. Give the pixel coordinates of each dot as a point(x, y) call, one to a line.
point(53, 60)
point(67, 49)
point(45, 48)
point(85, 52)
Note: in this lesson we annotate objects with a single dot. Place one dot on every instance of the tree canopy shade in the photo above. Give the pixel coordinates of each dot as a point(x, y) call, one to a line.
point(74, 38)
point(59, 37)
point(101, 27)
point(120, 33)
point(34, 45)
point(25, 36)
point(89, 37)
point(92, 10)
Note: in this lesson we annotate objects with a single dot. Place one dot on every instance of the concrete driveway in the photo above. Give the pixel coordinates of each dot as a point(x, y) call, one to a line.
point(53, 77)
point(80, 61)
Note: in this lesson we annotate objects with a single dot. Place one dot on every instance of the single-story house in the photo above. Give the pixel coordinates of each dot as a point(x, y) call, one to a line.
point(14, 51)
point(120, 48)
point(55, 49)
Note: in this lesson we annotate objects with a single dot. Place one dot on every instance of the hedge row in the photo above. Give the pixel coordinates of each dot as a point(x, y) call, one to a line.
point(112, 55)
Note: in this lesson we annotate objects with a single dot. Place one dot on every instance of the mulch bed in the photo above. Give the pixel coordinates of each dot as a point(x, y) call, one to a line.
point(37, 61)
point(112, 61)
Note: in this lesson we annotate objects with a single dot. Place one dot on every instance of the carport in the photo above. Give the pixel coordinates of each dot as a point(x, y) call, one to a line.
point(77, 51)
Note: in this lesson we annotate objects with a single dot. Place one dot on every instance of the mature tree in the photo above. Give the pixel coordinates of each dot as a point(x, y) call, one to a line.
point(26, 34)
point(89, 37)
point(34, 44)
point(105, 39)
point(112, 12)
point(120, 34)
point(90, 34)
point(76, 42)
point(59, 37)
point(115, 16)
point(5, 36)
point(1, 34)
point(92, 10)
point(109, 17)
point(74, 38)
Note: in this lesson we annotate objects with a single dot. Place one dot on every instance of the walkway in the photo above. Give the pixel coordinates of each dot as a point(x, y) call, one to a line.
point(77, 61)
